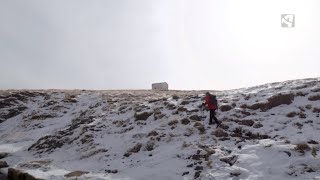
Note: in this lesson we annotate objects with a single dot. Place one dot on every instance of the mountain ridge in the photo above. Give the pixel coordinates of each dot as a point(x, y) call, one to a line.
point(143, 134)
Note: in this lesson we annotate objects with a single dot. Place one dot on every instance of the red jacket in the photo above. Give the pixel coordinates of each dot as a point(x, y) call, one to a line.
point(209, 103)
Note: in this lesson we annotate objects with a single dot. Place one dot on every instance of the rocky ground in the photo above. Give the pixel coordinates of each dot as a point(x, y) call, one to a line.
point(268, 132)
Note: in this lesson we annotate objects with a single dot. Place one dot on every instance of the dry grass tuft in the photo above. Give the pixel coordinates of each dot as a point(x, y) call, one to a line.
point(302, 147)
point(314, 152)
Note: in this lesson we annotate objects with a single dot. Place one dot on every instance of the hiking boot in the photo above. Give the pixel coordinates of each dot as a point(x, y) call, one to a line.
point(210, 123)
point(218, 124)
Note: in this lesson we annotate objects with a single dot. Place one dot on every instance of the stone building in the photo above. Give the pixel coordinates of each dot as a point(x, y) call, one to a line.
point(163, 86)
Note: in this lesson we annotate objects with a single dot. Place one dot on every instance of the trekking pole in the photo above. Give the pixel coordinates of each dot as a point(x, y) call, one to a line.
point(202, 115)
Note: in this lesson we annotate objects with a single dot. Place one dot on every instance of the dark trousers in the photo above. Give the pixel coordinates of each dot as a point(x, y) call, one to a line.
point(213, 116)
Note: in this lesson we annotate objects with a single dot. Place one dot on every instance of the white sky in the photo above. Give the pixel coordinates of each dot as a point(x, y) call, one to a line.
point(126, 44)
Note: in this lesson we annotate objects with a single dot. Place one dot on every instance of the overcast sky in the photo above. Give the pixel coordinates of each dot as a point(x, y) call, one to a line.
point(129, 44)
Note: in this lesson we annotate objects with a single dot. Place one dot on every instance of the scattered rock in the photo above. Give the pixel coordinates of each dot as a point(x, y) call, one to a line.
point(7, 102)
point(139, 108)
point(75, 174)
point(197, 174)
point(3, 177)
point(229, 159)
point(47, 144)
point(280, 99)
point(301, 94)
point(225, 108)
point(149, 146)
point(316, 110)
point(302, 115)
point(246, 122)
point(94, 152)
point(185, 102)
point(257, 125)
point(158, 114)
point(142, 116)
point(314, 97)
point(3, 164)
point(224, 126)
point(152, 133)
point(312, 142)
point(193, 110)
point(185, 173)
point(12, 113)
point(71, 99)
point(299, 125)
point(236, 173)
point(190, 165)
point(155, 100)
point(291, 114)
point(224, 139)
point(185, 121)
point(189, 132)
point(309, 106)
point(136, 148)
point(171, 106)
point(310, 170)
point(315, 90)
point(87, 139)
point(49, 103)
point(301, 87)
point(256, 136)
point(308, 122)
point(181, 109)
point(198, 168)
point(127, 154)
point(196, 157)
point(115, 171)
point(175, 97)
point(173, 122)
point(14, 174)
point(200, 127)
point(273, 101)
point(3, 155)
point(288, 153)
point(195, 118)
point(246, 113)
point(220, 133)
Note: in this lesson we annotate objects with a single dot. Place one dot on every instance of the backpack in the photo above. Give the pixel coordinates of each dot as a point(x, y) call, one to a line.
point(213, 100)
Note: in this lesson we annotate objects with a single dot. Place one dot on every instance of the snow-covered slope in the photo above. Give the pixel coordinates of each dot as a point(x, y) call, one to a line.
point(268, 132)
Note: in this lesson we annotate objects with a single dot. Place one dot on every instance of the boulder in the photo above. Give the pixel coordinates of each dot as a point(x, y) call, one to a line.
point(314, 97)
point(220, 133)
point(15, 174)
point(316, 110)
point(195, 118)
point(257, 125)
point(225, 108)
point(185, 121)
point(246, 122)
point(273, 101)
point(3, 155)
point(152, 133)
point(173, 122)
point(229, 159)
point(75, 174)
point(3, 164)
point(142, 116)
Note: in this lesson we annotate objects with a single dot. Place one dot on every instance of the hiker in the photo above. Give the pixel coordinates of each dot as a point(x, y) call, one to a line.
point(212, 105)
